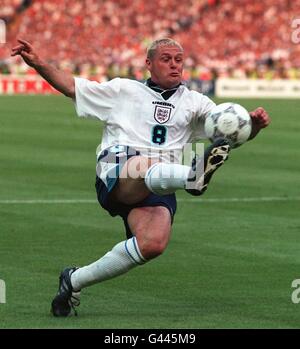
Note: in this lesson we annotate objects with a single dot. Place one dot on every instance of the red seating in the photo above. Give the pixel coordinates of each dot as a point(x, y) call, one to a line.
point(102, 39)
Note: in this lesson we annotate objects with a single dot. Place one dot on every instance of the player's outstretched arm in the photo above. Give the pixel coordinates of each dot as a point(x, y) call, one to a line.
point(63, 82)
point(260, 119)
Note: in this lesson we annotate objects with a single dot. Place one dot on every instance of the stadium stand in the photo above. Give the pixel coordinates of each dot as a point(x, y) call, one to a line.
point(103, 39)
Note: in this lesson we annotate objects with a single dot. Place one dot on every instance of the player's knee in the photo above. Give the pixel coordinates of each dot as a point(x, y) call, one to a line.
point(152, 228)
point(151, 248)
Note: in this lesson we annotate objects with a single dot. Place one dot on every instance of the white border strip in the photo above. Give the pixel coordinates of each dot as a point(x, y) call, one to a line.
point(187, 200)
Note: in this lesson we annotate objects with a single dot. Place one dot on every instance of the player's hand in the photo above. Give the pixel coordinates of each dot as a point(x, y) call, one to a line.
point(260, 118)
point(26, 51)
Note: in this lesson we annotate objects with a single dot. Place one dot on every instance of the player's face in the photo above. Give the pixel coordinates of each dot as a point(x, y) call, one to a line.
point(166, 66)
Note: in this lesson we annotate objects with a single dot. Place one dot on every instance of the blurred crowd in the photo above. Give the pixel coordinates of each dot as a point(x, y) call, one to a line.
point(102, 39)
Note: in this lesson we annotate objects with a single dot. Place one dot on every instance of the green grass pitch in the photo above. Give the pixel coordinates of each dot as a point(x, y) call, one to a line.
point(230, 263)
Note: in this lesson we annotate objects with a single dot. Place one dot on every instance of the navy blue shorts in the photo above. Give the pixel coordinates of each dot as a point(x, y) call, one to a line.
point(107, 182)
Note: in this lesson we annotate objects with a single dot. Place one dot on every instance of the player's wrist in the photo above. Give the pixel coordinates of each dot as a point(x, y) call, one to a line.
point(254, 131)
point(40, 65)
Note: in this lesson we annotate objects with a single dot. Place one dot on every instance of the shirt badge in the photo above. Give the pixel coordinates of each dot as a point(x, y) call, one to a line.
point(162, 114)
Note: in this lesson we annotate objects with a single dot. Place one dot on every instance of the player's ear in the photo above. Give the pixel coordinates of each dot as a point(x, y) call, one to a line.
point(148, 63)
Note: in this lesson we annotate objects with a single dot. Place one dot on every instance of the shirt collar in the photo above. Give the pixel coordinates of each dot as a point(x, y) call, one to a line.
point(165, 93)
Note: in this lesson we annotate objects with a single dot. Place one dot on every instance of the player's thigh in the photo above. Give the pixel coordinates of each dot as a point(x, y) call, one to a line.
point(131, 187)
point(152, 228)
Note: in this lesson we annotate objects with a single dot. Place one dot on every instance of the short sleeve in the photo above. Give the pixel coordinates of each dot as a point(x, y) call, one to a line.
point(203, 106)
point(94, 99)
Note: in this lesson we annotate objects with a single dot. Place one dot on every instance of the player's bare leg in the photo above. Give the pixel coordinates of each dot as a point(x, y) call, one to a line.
point(141, 175)
point(137, 179)
point(152, 228)
point(131, 187)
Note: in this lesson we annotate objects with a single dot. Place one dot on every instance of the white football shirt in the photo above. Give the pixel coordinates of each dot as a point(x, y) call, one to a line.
point(137, 116)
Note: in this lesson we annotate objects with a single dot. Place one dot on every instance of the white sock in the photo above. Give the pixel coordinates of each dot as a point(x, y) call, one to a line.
point(123, 257)
point(163, 179)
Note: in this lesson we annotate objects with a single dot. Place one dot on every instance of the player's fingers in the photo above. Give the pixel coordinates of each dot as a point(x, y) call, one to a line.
point(25, 43)
point(258, 113)
point(260, 117)
point(254, 114)
point(17, 47)
point(267, 120)
point(260, 110)
point(17, 50)
point(25, 54)
point(264, 120)
point(264, 115)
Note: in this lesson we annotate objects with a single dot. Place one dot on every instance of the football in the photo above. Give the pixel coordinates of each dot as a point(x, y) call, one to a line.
point(230, 121)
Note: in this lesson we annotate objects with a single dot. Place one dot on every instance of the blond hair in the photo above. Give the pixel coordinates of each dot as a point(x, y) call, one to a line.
point(161, 42)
